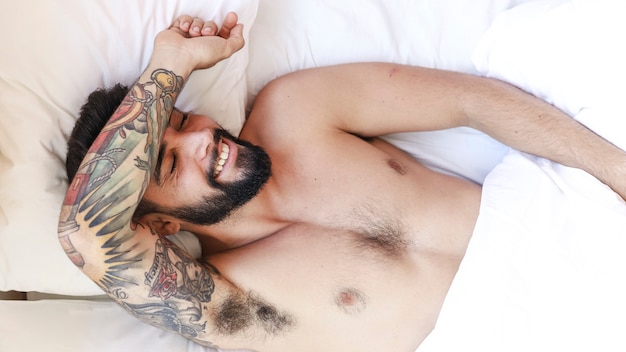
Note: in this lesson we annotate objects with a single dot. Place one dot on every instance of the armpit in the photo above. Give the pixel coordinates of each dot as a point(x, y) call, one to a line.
point(241, 312)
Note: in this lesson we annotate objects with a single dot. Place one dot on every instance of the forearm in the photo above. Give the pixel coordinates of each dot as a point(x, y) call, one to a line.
point(97, 214)
point(138, 268)
point(529, 124)
point(372, 99)
point(116, 169)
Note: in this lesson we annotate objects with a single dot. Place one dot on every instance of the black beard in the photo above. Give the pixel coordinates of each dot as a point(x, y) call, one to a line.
point(255, 165)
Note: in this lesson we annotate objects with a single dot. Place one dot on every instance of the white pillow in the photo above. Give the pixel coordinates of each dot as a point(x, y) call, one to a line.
point(570, 53)
point(291, 35)
point(54, 53)
point(79, 326)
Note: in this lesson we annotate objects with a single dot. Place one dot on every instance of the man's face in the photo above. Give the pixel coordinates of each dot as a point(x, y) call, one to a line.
point(202, 172)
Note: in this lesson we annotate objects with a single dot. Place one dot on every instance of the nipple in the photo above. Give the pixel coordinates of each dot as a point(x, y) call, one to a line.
point(350, 300)
point(396, 166)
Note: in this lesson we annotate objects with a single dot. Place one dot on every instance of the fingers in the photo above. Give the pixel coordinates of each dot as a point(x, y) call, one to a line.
point(236, 37)
point(230, 21)
point(195, 26)
point(183, 23)
point(199, 27)
point(209, 28)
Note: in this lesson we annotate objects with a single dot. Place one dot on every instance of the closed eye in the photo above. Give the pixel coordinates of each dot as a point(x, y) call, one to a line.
point(174, 163)
point(183, 120)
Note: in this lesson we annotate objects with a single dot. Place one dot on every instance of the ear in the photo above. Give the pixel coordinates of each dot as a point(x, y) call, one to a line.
point(161, 224)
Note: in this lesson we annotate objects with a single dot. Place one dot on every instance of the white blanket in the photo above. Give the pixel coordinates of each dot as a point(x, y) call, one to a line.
point(545, 270)
point(79, 326)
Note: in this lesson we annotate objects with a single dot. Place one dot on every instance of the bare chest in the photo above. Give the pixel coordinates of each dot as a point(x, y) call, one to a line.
point(369, 244)
point(379, 192)
point(326, 281)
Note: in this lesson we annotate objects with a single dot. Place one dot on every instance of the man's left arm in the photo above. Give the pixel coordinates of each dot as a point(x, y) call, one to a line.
point(373, 99)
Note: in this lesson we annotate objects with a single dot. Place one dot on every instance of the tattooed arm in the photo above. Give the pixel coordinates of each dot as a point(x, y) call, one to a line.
point(140, 269)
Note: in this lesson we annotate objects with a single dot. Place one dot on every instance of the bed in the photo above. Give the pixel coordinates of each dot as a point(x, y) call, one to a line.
point(544, 277)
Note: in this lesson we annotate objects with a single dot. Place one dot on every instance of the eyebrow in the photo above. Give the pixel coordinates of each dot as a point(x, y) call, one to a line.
point(157, 169)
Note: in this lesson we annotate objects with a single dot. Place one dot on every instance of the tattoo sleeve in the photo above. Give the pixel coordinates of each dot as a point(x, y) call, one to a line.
point(144, 272)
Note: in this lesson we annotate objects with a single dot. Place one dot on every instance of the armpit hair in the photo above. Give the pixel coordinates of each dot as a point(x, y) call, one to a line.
point(380, 231)
point(241, 312)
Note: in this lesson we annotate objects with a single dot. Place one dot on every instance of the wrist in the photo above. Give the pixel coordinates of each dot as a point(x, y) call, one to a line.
point(610, 169)
point(171, 60)
point(616, 180)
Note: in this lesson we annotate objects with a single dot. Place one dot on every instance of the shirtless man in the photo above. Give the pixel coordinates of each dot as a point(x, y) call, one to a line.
point(350, 245)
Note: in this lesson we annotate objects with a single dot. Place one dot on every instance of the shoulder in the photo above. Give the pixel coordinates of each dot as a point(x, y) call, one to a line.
point(294, 91)
point(289, 109)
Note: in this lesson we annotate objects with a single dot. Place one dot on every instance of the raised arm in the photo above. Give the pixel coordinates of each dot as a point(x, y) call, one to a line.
point(373, 99)
point(137, 267)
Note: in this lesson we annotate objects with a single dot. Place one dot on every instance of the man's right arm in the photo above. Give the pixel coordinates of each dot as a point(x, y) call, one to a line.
point(140, 269)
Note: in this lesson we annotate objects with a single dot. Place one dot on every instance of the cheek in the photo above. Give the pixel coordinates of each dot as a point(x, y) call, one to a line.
point(192, 186)
point(156, 195)
point(187, 187)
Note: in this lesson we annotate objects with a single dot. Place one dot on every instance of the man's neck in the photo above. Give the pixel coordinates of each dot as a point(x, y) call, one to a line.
point(255, 220)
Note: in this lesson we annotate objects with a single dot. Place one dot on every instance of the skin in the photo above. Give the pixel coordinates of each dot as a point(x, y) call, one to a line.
point(351, 244)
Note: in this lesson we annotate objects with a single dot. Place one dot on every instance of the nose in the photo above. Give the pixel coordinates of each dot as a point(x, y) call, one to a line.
point(194, 145)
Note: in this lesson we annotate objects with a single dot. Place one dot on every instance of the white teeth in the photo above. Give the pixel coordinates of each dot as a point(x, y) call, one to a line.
point(222, 160)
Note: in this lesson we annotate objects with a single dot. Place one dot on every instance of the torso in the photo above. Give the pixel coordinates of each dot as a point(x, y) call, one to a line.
point(367, 244)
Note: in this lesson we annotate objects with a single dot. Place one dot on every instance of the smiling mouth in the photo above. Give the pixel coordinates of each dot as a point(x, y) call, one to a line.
point(221, 159)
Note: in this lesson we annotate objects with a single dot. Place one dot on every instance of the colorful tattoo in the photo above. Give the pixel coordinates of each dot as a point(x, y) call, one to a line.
point(173, 274)
point(175, 278)
point(102, 198)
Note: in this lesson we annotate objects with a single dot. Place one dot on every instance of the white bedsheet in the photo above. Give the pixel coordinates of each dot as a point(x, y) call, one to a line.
point(545, 268)
point(543, 272)
point(82, 326)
